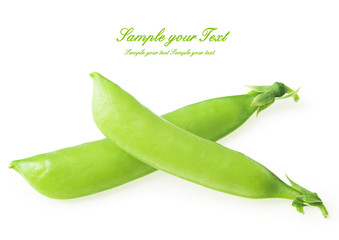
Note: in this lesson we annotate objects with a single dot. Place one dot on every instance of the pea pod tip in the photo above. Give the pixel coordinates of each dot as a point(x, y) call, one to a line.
point(11, 165)
point(95, 75)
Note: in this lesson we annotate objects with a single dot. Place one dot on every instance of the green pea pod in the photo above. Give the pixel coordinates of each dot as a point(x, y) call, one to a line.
point(100, 165)
point(164, 146)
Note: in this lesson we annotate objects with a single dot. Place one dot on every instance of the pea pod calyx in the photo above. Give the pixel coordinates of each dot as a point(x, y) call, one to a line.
point(268, 94)
point(306, 198)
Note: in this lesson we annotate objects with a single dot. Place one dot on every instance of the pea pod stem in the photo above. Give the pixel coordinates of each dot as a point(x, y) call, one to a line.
point(268, 94)
point(306, 198)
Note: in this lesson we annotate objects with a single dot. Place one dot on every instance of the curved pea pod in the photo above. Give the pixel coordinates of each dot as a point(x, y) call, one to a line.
point(164, 146)
point(100, 165)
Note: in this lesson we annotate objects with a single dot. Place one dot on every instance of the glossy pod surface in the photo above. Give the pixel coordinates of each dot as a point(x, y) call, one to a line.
point(160, 144)
point(100, 165)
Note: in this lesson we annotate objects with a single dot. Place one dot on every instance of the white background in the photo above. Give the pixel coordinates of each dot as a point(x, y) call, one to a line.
point(47, 51)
